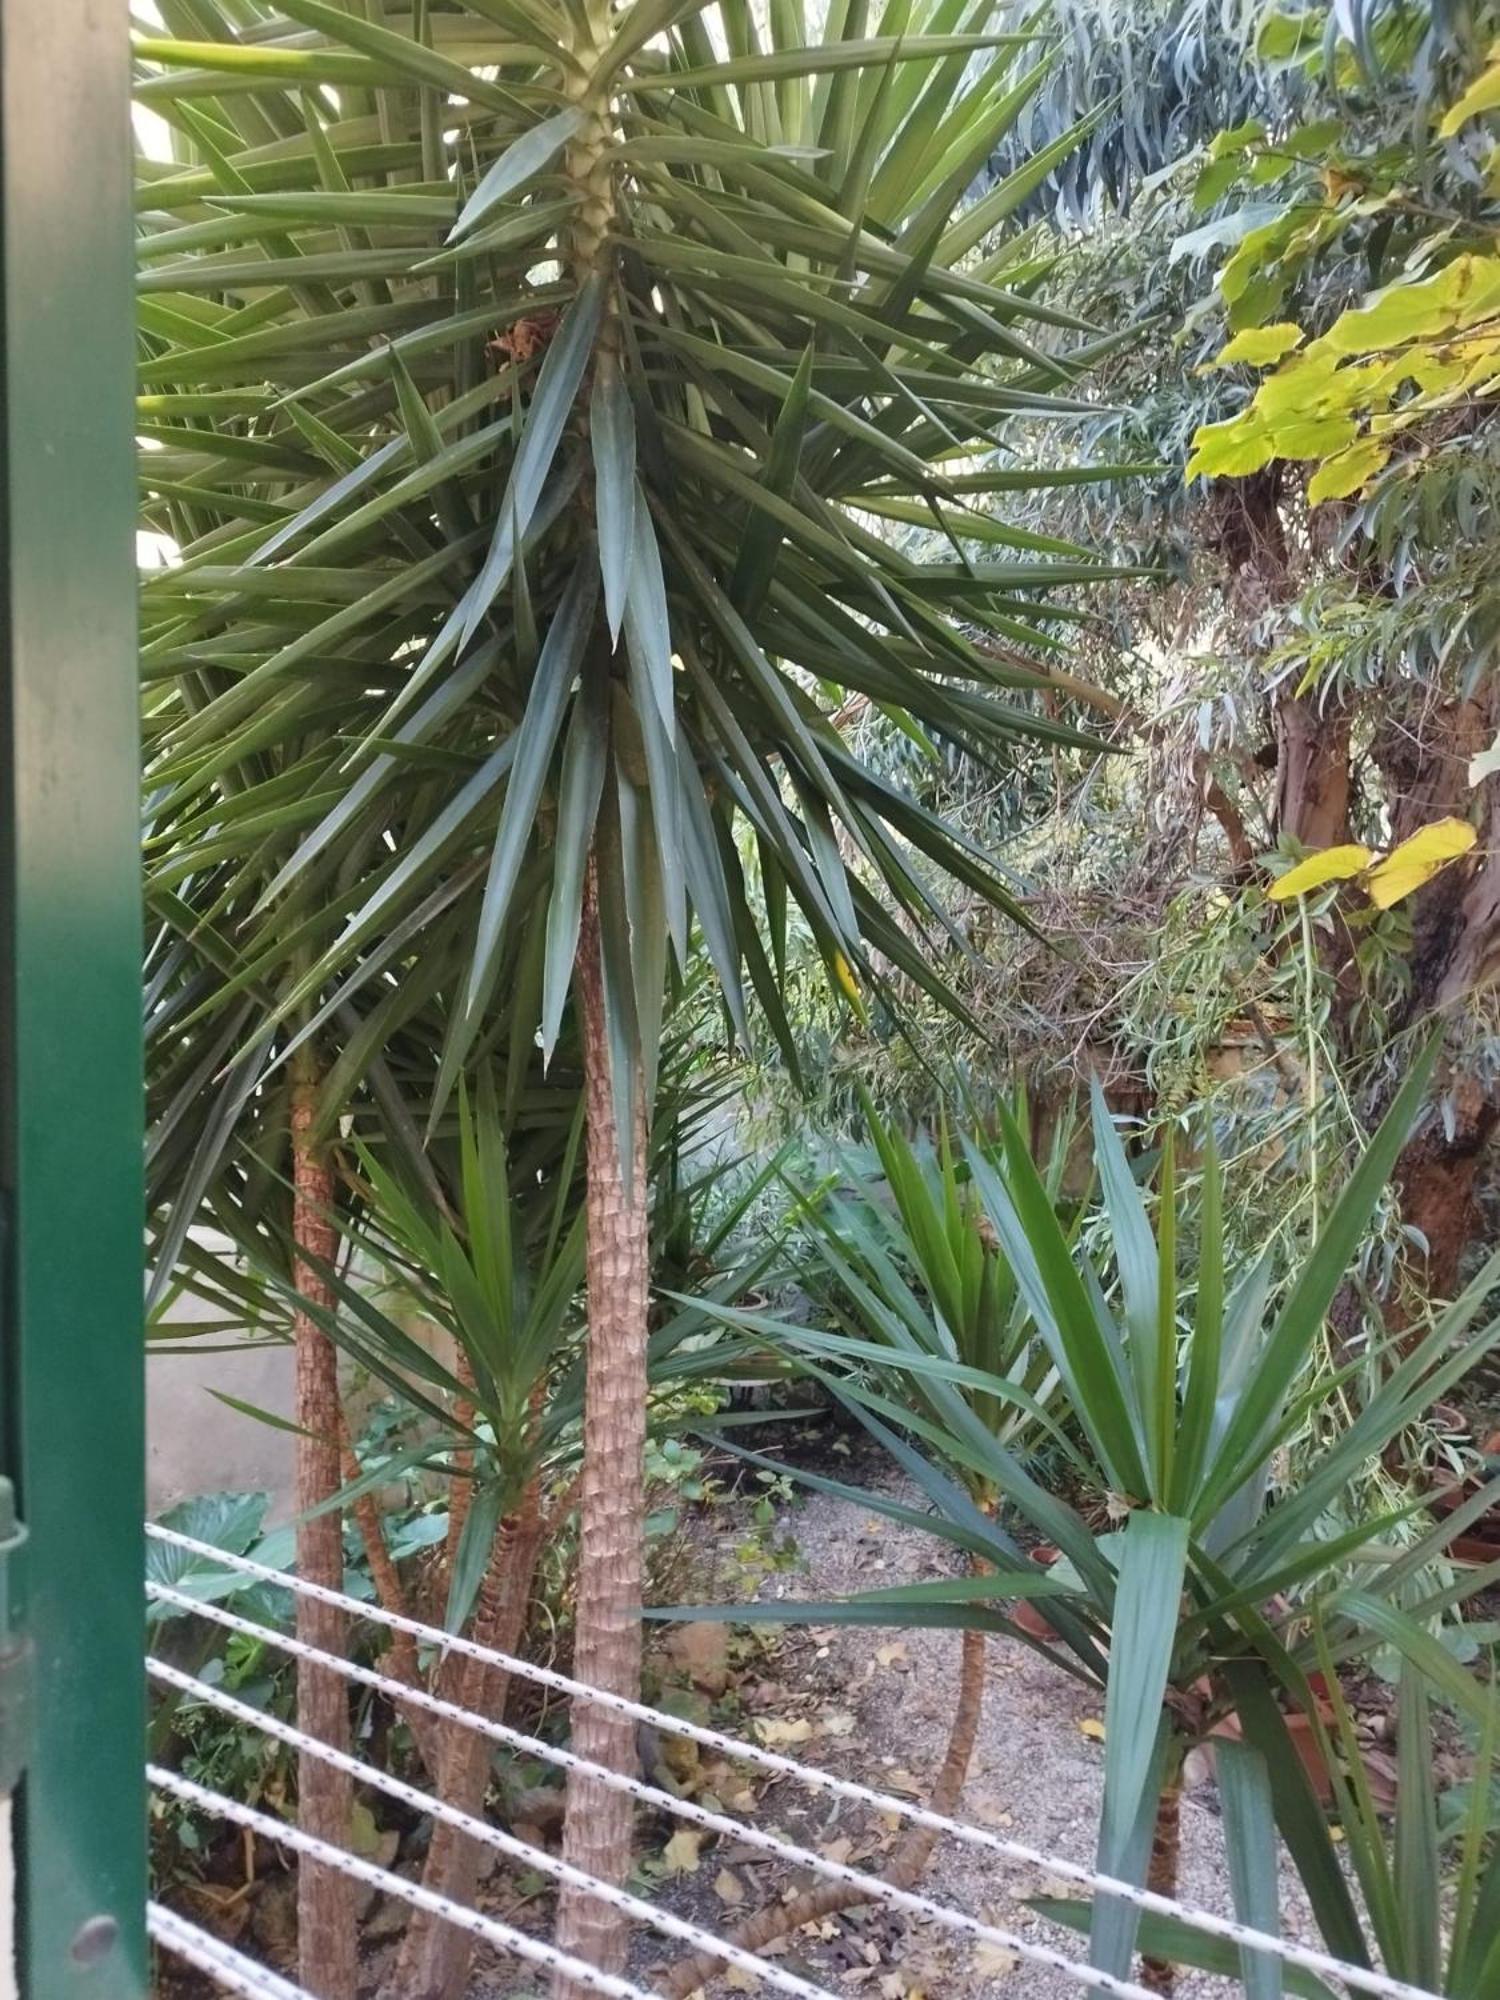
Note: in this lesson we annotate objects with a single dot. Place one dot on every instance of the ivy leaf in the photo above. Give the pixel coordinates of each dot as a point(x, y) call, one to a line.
point(1313, 437)
point(1230, 449)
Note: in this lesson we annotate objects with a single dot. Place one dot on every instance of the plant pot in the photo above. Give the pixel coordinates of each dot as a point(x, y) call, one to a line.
point(1304, 1741)
point(1480, 1541)
point(1026, 1617)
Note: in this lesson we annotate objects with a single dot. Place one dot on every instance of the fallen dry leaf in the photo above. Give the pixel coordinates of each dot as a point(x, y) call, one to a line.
point(680, 1855)
point(773, 1733)
point(837, 1850)
point(1092, 1728)
point(994, 1961)
point(893, 1655)
point(987, 1809)
point(728, 1887)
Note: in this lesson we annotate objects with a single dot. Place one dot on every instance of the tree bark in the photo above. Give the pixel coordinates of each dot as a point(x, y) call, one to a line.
point(435, 1956)
point(607, 1647)
point(1312, 772)
point(779, 1920)
point(400, 1657)
point(1159, 1975)
point(325, 1897)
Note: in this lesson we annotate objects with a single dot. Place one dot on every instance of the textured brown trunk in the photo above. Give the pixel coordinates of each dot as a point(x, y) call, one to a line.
point(607, 1648)
point(779, 1920)
point(1423, 754)
point(1312, 772)
point(400, 1660)
point(435, 1956)
point(325, 1898)
point(1159, 1975)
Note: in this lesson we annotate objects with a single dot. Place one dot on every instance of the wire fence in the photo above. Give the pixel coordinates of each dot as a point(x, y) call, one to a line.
point(236, 1974)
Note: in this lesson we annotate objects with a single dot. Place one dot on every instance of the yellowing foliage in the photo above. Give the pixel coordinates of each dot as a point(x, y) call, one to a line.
point(1417, 860)
point(1386, 879)
point(1330, 864)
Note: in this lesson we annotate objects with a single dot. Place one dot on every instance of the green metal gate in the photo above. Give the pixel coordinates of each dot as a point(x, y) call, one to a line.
point(72, 1698)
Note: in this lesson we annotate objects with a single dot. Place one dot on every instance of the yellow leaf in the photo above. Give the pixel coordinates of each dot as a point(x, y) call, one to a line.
point(1417, 860)
point(774, 1734)
point(1332, 864)
point(1259, 346)
point(1482, 95)
point(843, 972)
point(1092, 1728)
point(680, 1855)
point(728, 1887)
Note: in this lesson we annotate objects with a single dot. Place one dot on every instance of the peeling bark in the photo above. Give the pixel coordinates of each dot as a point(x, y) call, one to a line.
point(1159, 1975)
point(400, 1658)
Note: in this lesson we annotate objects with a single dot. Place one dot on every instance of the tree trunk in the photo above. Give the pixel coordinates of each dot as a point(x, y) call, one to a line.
point(1312, 772)
point(325, 1897)
point(399, 1660)
point(779, 1920)
point(435, 1956)
point(1159, 1975)
point(607, 1646)
point(1423, 753)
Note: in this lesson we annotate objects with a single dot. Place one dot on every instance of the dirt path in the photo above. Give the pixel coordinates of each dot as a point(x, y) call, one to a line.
point(878, 1705)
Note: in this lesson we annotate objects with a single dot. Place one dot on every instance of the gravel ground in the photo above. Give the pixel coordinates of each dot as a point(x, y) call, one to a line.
point(880, 1705)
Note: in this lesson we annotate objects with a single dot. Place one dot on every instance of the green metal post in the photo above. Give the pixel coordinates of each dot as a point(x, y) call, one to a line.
point(71, 1395)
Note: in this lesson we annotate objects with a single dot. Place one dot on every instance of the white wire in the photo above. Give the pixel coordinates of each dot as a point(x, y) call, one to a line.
point(227, 1967)
point(491, 1836)
point(873, 1887)
point(504, 1936)
point(1305, 1956)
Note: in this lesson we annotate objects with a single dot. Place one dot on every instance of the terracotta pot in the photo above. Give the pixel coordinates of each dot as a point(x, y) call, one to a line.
point(1480, 1542)
point(1305, 1742)
point(1031, 1621)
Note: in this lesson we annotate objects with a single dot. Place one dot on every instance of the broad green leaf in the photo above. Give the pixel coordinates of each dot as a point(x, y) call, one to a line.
point(1251, 1852)
point(1153, 1558)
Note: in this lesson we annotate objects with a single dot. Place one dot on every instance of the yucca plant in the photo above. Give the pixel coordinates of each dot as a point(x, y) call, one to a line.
point(1197, 1605)
point(905, 1265)
point(1430, 1893)
point(526, 383)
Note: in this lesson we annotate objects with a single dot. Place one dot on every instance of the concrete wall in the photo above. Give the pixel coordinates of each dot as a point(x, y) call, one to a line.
point(196, 1444)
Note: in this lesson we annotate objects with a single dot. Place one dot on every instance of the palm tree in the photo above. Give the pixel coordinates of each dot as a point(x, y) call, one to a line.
point(528, 385)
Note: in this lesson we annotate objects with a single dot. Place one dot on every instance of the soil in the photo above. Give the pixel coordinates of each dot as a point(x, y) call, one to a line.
point(875, 1705)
